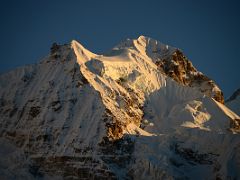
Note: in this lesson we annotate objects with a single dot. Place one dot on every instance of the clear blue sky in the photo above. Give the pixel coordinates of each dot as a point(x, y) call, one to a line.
point(208, 31)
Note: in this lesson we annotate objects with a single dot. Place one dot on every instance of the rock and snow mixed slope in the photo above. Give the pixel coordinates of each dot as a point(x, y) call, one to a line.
point(139, 111)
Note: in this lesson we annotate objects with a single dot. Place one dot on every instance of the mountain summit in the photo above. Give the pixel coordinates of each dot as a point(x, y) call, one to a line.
point(138, 111)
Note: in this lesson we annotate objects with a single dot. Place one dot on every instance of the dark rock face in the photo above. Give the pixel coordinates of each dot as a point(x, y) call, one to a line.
point(194, 157)
point(70, 167)
point(181, 70)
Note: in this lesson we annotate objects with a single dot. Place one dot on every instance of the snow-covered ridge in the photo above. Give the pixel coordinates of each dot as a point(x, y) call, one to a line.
point(170, 60)
point(117, 115)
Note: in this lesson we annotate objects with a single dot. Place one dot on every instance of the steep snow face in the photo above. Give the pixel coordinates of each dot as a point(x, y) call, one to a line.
point(44, 102)
point(234, 102)
point(117, 115)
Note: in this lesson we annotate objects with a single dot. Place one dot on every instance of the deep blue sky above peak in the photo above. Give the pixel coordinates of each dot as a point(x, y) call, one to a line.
point(207, 31)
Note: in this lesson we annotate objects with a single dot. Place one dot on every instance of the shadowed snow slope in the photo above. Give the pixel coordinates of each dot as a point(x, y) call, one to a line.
point(139, 111)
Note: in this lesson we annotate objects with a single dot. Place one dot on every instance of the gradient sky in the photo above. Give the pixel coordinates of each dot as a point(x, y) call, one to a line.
point(208, 31)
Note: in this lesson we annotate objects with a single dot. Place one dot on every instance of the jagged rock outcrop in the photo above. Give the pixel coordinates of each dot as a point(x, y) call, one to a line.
point(178, 67)
point(131, 113)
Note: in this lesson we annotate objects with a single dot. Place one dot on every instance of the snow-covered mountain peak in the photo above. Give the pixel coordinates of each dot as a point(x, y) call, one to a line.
point(146, 46)
point(169, 60)
point(140, 111)
point(80, 50)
